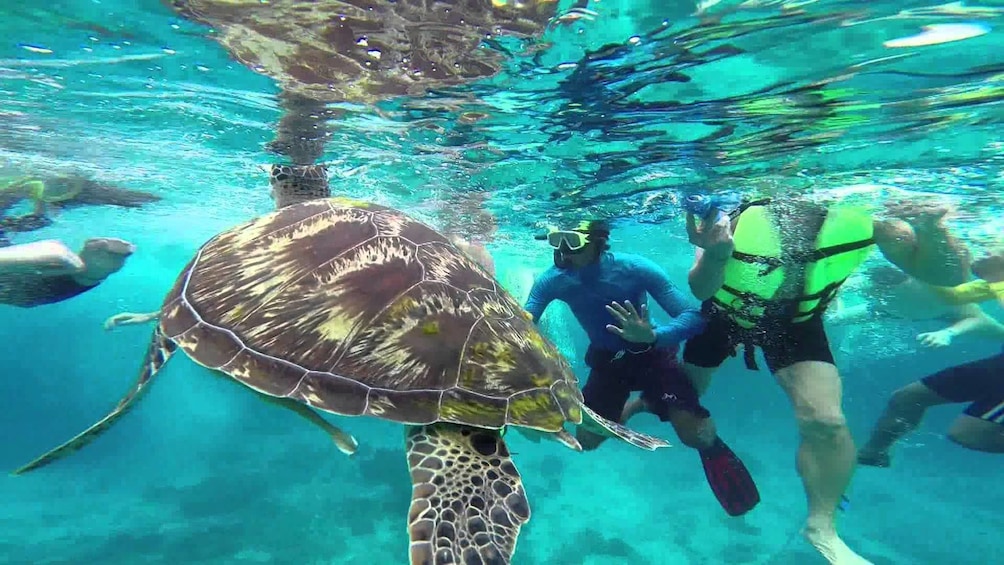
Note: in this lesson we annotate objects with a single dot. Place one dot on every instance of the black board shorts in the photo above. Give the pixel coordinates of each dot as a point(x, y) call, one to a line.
point(783, 342)
point(664, 387)
point(14, 291)
point(981, 383)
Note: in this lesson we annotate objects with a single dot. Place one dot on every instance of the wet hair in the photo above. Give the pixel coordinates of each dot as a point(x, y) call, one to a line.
point(599, 233)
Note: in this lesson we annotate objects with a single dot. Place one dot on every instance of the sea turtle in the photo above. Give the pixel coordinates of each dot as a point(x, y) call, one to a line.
point(325, 54)
point(361, 52)
point(356, 309)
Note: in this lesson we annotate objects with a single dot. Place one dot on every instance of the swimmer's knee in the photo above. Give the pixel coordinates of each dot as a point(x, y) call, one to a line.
point(823, 424)
point(694, 431)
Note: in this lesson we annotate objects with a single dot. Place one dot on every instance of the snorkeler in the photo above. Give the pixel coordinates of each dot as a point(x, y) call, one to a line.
point(766, 273)
point(894, 294)
point(46, 272)
point(46, 192)
point(979, 383)
point(607, 294)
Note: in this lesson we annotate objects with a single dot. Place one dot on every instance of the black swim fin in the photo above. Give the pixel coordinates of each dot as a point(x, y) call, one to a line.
point(729, 480)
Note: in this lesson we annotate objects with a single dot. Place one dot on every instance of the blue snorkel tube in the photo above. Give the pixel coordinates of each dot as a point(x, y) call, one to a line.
point(703, 205)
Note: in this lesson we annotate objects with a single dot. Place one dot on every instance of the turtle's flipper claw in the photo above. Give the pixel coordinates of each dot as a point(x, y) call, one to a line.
point(468, 502)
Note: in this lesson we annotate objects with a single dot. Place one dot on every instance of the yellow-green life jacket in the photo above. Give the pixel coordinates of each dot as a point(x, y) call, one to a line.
point(756, 271)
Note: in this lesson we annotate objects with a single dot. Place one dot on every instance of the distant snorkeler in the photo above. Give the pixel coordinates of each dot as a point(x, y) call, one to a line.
point(893, 294)
point(47, 272)
point(47, 192)
point(766, 273)
point(980, 383)
point(607, 293)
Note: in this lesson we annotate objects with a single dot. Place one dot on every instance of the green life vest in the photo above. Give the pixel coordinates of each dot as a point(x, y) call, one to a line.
point(756, 270)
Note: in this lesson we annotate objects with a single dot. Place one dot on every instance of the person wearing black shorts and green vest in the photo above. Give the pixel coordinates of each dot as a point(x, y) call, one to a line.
point(766, 273)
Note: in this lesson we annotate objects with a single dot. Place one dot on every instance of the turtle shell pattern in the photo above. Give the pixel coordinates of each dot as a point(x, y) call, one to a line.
point(357, 309)
point(359, 51)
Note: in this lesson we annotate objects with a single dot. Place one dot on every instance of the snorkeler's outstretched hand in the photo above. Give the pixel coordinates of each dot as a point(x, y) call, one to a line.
point(634, 325)
point(128, 319)
point(715, 238)
point(940, 338)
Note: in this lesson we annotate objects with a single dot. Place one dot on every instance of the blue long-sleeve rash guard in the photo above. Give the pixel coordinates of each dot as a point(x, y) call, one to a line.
point(616, 278)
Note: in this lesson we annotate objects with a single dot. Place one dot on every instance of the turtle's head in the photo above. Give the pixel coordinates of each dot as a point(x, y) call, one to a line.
point(294, 184)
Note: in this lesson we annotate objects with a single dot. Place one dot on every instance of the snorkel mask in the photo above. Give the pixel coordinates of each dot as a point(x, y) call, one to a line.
point(574, 241)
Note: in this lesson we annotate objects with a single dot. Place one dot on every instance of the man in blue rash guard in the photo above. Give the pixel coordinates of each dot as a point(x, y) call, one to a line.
point(626, 353)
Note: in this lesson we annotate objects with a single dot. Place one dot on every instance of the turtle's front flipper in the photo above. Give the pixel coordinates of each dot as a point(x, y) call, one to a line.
point(343, 440)
point(158, 353)
point(600, 425)
point(467, 502)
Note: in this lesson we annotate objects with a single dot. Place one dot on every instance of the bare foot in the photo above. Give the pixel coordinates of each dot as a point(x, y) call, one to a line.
point(832, 548)
point(102, 257)
point(873, 458)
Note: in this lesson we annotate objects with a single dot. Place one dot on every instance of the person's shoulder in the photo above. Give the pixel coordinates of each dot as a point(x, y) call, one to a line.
point(548, 275)
point(635, 261)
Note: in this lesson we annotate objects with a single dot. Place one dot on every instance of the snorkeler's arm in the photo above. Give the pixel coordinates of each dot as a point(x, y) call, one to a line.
point(129, 318)
point(928, 252)
point(971, 319)
point(707, 275)
point(543, 291)
point(688, 320)
point(969, 293)
point(713, 247)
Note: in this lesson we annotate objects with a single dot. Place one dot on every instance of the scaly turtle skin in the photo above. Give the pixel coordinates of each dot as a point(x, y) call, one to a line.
point(356, 309)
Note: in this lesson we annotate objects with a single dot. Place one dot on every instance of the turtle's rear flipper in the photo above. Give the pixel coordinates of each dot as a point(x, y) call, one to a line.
point(159, 352)
point(468, 502)
point(600, 425)
point(343, 440)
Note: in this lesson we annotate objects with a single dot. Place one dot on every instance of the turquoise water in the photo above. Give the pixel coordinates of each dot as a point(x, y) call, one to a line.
point(617, 116)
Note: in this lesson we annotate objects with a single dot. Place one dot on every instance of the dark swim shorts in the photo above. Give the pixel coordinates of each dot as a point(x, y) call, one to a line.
point(49, 290)
point(784, 343)
point(980, 382)
point(656, 373)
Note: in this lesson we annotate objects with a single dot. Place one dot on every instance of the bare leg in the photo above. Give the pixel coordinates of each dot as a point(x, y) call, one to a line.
point(977, 434)
point(46, 258)
point(826, 454)
point(345, 442)
point(700, 377)
point(693, 431)
point(902, 415)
